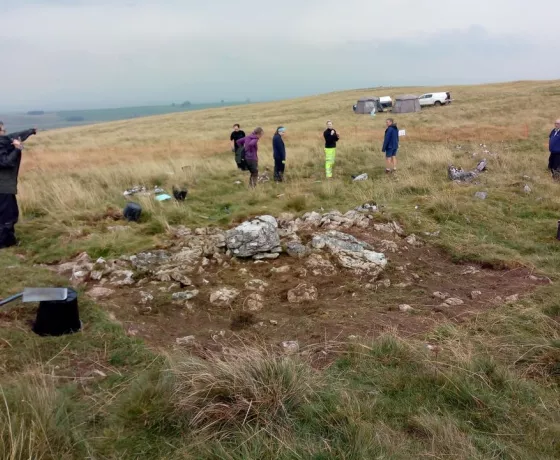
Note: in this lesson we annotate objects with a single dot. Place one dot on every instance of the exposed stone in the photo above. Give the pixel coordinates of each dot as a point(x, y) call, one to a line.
point(188, 257)
point(512, 298)
point(223, 297)
point(320, 266)
point(255, 302)
point(413, 240)
point(388, 246)
point(283, 269)
point(259, 235)
point(386, 283)
point(441, 295)
point(481, 195)
point(189, 340)
point(296, 249)
point(527, 189)
point(350, 252)
point(256, 285)
point(367, 207)
point(266, 256)
point(470, 270)
point(122, 278)
point(475, 294)
point(185, 295)
point(273, 322)
point(403, 285)
point(459, 175)
point(312, 219)
point(99, 292)
point(302, 293)
point(145, 297)
point(181, 231)
point(392, 227)
point(290, 347)
point(149, 260)
point(454, 302)
point(405, 308)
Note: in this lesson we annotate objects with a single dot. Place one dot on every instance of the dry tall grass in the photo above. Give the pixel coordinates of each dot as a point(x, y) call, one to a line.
point(87, 167)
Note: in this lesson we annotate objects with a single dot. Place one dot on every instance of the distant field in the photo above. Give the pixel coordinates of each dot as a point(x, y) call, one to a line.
point(69, 118)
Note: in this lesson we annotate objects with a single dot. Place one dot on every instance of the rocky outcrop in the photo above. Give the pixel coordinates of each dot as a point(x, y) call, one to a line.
point(351, 253)
point(254, 237)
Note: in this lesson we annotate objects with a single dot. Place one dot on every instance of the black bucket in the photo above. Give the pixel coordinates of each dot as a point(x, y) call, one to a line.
point(132, 212)
point(58, 317)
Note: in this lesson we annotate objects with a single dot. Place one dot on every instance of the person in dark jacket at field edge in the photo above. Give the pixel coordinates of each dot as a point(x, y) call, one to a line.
point(11, 146)
point(251, 146)
point(391, 145)
point(279, 154)
point(554, 148)
point(236, 134)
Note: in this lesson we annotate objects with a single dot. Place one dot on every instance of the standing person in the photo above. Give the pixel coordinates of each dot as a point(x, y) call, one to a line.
point(331, 138)
point(279, 154)
point(251, 144)
point(554, 148)
point(11, 146)
point(236, 134)
point(391, 145)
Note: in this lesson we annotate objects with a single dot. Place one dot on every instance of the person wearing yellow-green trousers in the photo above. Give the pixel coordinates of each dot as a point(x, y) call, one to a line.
point(331, 138)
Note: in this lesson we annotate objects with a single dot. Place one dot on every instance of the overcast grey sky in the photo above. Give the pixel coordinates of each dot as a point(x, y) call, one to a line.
point(84, 54)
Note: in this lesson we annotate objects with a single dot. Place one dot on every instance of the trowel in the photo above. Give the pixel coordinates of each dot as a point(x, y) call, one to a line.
point(38, 295)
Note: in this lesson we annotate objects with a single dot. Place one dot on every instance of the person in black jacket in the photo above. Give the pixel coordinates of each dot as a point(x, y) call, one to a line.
point(11, 146)
point(391, 145)
point(236, 134)
point(279, 153)
point(331, 138)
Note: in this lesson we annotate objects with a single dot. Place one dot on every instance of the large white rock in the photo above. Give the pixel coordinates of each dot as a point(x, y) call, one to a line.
point(351, 253)
point(259, 235)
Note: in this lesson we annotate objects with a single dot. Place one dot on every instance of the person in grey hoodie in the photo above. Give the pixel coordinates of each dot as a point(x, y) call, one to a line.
point(251, 146)
point(11, 146)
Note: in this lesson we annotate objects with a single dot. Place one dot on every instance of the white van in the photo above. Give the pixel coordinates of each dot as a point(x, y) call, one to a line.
point(386, 102)
point(435, 99)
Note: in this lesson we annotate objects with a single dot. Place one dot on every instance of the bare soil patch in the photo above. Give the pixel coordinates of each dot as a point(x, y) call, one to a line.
point(347, 306)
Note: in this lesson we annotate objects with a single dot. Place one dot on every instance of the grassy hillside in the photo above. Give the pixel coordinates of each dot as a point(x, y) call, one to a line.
point(488, 387)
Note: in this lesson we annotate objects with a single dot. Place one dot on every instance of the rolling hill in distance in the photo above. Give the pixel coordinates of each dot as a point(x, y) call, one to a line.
point(47, 120)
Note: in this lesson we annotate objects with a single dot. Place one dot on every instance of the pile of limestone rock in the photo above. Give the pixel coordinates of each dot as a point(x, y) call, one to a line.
point(327, 247)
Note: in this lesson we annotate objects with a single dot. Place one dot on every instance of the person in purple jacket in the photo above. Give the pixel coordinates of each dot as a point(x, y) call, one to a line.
point(251, 146)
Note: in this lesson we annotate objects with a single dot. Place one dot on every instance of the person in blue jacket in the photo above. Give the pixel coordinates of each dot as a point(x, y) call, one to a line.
point(391, 145)
point(279, 152)
point(554, 148)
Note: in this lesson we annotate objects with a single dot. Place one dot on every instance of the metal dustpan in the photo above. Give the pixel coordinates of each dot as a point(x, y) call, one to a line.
point(38, 295)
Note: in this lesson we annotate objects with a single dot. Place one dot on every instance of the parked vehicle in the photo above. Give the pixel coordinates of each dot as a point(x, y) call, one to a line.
point(436, 99)
point(386, 102)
